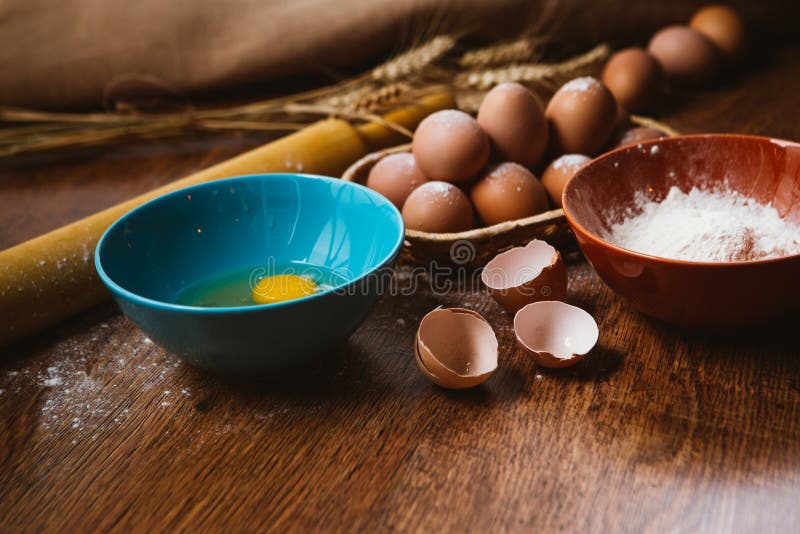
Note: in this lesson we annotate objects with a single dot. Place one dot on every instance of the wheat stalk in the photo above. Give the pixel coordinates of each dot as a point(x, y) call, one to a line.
point(415, 60)
point(652, 123)
point(347, 99)
point(520, 50)
point(383, 97)
point(548, 73)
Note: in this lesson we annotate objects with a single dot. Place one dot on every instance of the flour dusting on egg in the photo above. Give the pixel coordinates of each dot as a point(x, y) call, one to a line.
point(438, 207)
point(582, 116)
point(508, 191)
point(450, 146)
point(584, 84)
point(570, 161)
point(451, 118)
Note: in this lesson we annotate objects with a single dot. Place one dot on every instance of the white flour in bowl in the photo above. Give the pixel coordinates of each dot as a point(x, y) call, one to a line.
point(718, 226)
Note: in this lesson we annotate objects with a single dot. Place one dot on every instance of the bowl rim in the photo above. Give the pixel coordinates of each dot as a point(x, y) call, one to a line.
point(579, 228)
point(120, 291)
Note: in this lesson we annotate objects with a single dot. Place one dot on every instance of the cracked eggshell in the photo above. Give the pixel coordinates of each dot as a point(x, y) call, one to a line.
point(526, 274)
point(455, 348)
point(555, 334)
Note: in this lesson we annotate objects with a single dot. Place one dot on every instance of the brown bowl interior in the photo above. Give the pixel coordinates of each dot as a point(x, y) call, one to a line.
point(689, 293)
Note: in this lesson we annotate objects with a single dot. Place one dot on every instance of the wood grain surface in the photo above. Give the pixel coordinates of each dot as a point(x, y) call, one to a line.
point(660, 430)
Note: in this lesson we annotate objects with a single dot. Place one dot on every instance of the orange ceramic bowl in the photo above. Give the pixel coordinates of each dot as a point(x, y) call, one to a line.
point(690, 293)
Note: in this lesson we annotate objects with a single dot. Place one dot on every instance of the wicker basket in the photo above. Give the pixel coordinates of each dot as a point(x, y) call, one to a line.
point(473, 248)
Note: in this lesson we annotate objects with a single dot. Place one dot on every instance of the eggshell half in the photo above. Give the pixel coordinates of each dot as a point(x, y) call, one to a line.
point(455, 348)
point(526, 274)
point(555, 334)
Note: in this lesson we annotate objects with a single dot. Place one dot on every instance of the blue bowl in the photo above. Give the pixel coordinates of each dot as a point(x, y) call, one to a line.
point(153, 253)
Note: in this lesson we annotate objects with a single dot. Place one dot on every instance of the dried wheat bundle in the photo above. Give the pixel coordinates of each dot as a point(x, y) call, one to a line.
point(434, 65)
point(522, 50)
point(415, 60)
point(383, 97)
point(546, 73)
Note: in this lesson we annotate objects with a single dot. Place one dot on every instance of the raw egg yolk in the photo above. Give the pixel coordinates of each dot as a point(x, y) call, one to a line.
point(282, 287)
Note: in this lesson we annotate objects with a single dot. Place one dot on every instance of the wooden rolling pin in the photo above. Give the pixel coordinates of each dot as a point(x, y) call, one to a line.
point(52, 277)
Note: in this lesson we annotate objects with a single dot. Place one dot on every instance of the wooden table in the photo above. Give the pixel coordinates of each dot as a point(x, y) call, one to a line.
point(661, 430)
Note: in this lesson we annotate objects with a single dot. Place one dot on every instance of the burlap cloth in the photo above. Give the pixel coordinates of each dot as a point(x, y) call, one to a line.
point(87, 53)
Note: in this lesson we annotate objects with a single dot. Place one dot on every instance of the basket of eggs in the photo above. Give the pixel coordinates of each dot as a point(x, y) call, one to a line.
point(469, 188)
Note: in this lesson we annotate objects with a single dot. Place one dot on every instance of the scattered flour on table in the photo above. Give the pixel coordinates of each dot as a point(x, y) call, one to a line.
point(708, 226)
point(53, 377)
point(82, 382)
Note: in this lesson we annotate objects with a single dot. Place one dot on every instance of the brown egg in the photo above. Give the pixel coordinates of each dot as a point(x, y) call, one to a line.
point(558, 173)
point(634, 77)
point(582, 115)
point(637, 135)
point(684, 54)
point(508, 191)
point(724, 27)
point(526, 274)
point(450, 146)
point(514, 119)
point(438, 207)
point(395, 177)
point(455, 348)
point(555, 334)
